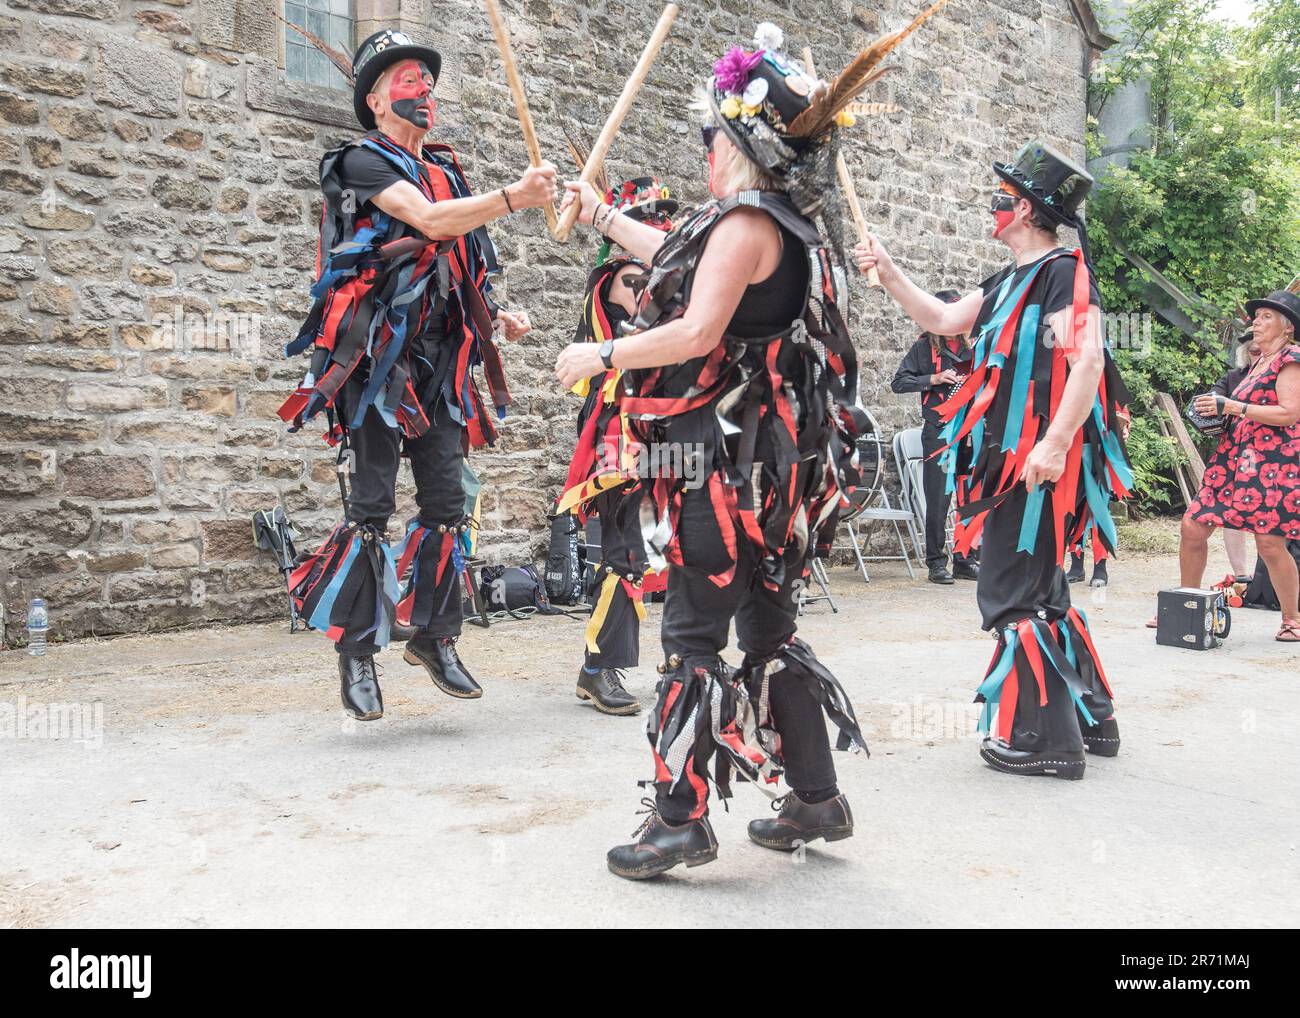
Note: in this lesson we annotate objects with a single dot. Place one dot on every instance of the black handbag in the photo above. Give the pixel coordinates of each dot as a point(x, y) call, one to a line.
point(1208, 426)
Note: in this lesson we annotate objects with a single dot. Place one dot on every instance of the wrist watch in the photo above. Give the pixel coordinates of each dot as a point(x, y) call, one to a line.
point(607, 354)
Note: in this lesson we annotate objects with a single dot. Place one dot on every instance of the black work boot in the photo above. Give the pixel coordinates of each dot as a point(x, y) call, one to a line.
point(605, 691)
point(965, 569)
point(939, 573)
point(1075, 575)
point(1100, 577)
point(800, 822)
point(1000, 756)
point(662, 845)
point(1101, 739)
point(359, 686)
point(438, 657)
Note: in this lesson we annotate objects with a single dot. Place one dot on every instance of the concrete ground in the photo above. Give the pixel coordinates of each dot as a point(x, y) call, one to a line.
point(220, 785)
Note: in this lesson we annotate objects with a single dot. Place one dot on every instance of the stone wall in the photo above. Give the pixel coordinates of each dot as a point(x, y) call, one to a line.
point(155, 166)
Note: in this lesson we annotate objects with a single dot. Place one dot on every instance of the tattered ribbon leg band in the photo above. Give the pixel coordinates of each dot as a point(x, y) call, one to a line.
point(348, 587)
point(1040, 659)
point(430, 560)
point(706, 711)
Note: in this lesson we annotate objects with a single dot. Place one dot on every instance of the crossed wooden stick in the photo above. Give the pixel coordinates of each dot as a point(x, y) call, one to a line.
point(560, 229)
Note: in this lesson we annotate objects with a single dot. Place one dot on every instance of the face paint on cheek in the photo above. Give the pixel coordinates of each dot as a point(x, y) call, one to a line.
point(410, 96)
point(1001, 220)
point(711, 162)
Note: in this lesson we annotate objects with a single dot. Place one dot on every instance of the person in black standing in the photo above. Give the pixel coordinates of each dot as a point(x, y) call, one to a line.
point(935, 366)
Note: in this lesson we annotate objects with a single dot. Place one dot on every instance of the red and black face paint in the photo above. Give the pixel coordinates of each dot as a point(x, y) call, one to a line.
point(410, 93)
point(1003, 207)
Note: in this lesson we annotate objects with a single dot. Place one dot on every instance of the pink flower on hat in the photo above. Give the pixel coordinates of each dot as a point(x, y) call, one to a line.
point(732, 71)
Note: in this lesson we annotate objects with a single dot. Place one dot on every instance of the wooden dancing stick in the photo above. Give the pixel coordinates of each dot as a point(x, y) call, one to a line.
point(502, 33)
point(606, 137)
point(846, 184)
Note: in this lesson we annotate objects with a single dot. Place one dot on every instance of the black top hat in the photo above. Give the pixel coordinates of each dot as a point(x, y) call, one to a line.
point(1246, 336)
point(376, 55)
point(1286, 303)
point(643, 199)
point(1054, 184)
point(755, 97)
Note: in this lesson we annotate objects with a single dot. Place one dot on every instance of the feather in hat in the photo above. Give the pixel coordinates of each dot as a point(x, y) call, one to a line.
point(336, 57)
point(829, 100)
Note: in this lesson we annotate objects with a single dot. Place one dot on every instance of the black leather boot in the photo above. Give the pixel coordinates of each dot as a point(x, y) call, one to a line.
point(965, 569)
point(1000, 756)
point(438, 657)
point(1075, 575)
point(800, 822)
point(1100, 577)
point(661, 846)
point(359, 685)
point(939, 574)
point(605, 690)
point(1101, 739)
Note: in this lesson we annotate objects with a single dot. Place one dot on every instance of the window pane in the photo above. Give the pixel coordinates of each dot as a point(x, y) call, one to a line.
point(294, 62)
point(317, 23)
point(293, 13)
point(343, 7)
point(341, 34)
point(316, 70)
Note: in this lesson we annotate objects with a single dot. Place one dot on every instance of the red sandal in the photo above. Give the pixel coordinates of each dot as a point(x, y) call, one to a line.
point(1289, 633)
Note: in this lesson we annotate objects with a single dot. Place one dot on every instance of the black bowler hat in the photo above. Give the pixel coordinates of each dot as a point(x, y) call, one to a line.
point(1054, 184)
point(376, 55)
point(1246, 336)
point(1286, 303)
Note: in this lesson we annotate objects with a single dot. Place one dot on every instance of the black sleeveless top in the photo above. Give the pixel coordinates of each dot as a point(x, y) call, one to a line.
point(769, 306)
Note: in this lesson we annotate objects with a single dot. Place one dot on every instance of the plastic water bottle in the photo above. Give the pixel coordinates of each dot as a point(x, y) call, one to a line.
point(38, 625)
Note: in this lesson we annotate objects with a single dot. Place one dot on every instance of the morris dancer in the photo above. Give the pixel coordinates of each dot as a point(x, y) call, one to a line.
point(1038, 428)
point(743, 362)
point(396, 333)
point(602, 477)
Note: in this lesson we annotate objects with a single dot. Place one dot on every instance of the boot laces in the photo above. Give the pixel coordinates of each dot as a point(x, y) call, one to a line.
point(779, 803)
point(652, 809)
point(615, 677)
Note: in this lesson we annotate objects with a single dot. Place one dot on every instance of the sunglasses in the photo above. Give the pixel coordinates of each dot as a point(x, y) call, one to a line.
point(1003, 202)
point(708, 132)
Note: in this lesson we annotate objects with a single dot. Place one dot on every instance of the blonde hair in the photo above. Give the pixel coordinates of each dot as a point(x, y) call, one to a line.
point(741, 173)
point(1244, 359)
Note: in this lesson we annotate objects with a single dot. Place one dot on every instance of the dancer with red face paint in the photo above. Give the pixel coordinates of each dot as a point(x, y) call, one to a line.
point(403, 314)
point(1037, 428)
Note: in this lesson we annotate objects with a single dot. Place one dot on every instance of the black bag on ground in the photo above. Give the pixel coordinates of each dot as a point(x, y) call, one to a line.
point(1260, 593)
point(565, 561)
point(512, 589)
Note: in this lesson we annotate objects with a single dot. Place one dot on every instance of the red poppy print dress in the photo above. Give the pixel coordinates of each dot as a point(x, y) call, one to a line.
point(1252, 481)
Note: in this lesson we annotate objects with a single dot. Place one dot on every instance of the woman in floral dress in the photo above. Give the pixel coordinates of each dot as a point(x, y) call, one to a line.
point(1252, 482)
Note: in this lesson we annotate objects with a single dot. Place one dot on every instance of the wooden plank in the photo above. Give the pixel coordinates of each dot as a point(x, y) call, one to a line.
point(1180, 470)
point(1194, 461)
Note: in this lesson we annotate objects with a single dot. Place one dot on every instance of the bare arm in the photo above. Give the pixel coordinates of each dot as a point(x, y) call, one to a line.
point(637, 239)
point(1287, 411)
point(926, 310)
point(455, 217)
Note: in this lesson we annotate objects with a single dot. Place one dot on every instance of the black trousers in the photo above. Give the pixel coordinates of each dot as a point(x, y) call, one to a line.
point(697, 621)
point(937, 500)
point(621, 548)
point(435, 458)
point(1014, 586)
